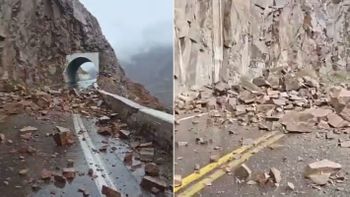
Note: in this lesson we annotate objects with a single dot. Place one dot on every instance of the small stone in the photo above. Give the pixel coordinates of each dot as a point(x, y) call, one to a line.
point(70, 163)
point(59, 178)
point(26, 136)
point(84, 192)
point(63, 137)
point(149, 182)
point(214, 158)
point(2, 138)
point(28, 129)
point(330, 136)
point(91, 172)
point(105, 131)
point(251, 182)
point(177, 180)
point(181, 143)
point(109, 192)
point(319, 179)
point(197, 166)
point(147, 154)
point(261, 81)
point(124, 133)
point(276, 175)
point(128, 158)
point(23, 172)
point(290, 186)
point(104, 119)
point(152, 169)
point(243, 172)
point(46, 174)
point(345, 144)
point(69, 173)
point(336, 121)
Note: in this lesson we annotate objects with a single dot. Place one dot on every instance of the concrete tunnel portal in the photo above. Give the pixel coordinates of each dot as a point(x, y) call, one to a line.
point(74, 63)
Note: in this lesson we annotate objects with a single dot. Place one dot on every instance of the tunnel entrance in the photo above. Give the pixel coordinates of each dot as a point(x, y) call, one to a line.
point(81, 70)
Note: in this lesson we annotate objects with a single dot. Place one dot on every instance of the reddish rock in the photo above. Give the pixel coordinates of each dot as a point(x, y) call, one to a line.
point(105, 131)
point(63, 137)
point(69, 173)
point(109, 192)
point(152, 169)
point(128, 158)
point(46, 174)
point(149, 182)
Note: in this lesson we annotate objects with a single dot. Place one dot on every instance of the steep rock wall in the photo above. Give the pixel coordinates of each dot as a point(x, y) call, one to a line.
point(36, 36)
point(227, 39)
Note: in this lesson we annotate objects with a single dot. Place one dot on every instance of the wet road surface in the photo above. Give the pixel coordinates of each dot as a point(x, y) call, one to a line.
point(14, 157)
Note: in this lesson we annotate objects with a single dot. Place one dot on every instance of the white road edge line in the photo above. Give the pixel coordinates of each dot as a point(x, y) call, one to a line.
point(94, 160)
point(189, 117)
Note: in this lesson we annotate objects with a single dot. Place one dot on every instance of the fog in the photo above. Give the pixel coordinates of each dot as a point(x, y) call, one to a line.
point(141, 33)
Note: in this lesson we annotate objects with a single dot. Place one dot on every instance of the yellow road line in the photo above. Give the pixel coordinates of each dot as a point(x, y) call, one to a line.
point(226, 158)
point(195, 188)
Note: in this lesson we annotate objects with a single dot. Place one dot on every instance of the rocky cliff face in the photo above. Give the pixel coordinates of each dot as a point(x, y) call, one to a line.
point(36, 36)
point(228, 39)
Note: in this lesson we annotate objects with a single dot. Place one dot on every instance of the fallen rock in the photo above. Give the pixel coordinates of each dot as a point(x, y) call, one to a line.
point(2, 138)
point(105, 131)
point(128, 158)
point(275, 175)
point(147, 154)
point(336, 121)
point(28, 129)
point(261, 81)
point(181, 143)
point(221, 88)
point(319, 179)
point(59, 178)
point(214, 158)
point(149, 182)
point(345, 144)
point(290, 186)
point(104, 119)
point(177, 180)
point(243, 172)
point(84, 192)
point(23, 172)
point(339, 97)
point(320, 171)
point(46, 174)
point(63, 137)
point(70, 163)
point(152, 169)
point(345, 112)
point(311, 82)
point(291, 83)
point(109, 192)
point(69, 173)
point(124, 133)
point(26, 136)
point(246, 97)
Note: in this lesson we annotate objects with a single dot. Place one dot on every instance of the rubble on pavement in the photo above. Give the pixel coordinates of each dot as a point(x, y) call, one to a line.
point(44, 104)
point(299, 103)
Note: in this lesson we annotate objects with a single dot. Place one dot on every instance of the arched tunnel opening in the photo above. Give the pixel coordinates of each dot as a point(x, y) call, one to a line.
point(81, 73)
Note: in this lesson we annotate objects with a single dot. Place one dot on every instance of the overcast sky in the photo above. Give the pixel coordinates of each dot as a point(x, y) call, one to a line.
point(130, 25)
